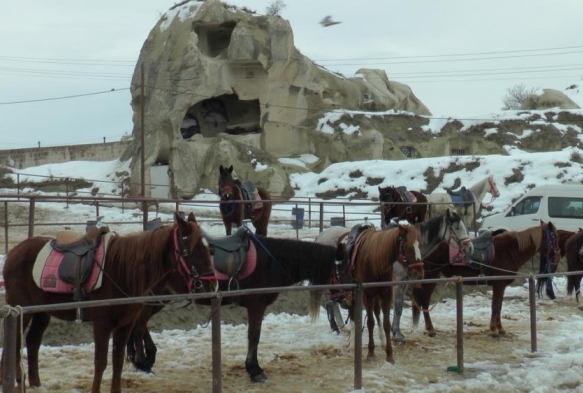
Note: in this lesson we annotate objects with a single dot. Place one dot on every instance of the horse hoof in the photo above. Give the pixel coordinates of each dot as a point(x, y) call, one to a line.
point(369, 359)
point(432, 334)
point(390, 359)
point(495, 334)
point(259, 378)
point(399, 338)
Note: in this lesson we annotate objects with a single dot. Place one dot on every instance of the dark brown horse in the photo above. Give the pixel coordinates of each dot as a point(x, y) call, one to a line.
point(132, 266)
point(234, 210)
point(414, 213)
point(511, 250)
point(372, 260)
point(279, 262)
point(574, 263)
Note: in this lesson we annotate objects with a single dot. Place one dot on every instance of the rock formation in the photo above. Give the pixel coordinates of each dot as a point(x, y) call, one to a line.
point(224, 86)
point(549, 98)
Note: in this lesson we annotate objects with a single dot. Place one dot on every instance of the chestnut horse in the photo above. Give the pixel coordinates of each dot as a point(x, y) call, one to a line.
point(234, 210)
point(133, 265)
point(413, 213)
point(279, 262)
point(511, 251)
point(372, 260)
point(574, 263)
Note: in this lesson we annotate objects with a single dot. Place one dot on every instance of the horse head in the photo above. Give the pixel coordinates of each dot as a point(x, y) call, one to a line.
point(492, 188)
point(409, 254)
point(226, 183)
point(195, 265)
point(457, 233)
point(387, 195)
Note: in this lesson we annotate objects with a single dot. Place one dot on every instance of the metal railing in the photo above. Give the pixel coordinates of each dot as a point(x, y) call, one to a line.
point(13, 313)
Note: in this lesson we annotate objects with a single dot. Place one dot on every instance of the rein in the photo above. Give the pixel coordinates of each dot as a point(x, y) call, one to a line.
point(492, 189)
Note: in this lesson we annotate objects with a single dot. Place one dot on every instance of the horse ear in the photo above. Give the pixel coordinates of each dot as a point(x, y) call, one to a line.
point(221, 169)
point(191, 217)
point(231, 169)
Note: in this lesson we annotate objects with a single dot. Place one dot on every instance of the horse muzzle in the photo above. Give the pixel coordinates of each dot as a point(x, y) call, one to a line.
point(206, 283)
point(467, 247)
point(415, 270)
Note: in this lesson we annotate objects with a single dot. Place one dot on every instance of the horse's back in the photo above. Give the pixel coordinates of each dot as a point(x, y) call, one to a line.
point(329, 236)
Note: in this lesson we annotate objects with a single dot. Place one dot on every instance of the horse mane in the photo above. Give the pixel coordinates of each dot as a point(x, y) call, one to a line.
point(526, 238)
point(137, 259)
point(430, 228)
point(374, 248)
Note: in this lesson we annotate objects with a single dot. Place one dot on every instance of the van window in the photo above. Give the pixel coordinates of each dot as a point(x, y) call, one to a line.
point(528, 205)
point(565, 207)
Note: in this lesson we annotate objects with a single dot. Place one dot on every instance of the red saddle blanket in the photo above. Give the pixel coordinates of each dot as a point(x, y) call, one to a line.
point(248, 267)
point(46, 267)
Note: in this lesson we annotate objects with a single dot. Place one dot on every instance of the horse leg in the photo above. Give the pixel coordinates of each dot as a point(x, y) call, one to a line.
point(101, 333)
point(424, 298)
point(386, 309)
point(25, 321)
point(377, 315)
point(255, 319)
point(396, 328)
point(228, 227)
point(369, 307)
point(496, 328)
point(120, 340)
point(141, 349)
point(40, 322)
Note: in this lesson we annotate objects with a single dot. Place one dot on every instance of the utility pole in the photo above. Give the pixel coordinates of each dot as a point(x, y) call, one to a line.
point(142, 150)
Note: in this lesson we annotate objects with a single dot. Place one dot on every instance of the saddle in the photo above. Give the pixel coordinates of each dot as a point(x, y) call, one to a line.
point(406, 195)
point(352, 237)
point(483, 252)
point(249, 192)
point(78, 254)
point(462, 197)
point(229, 252)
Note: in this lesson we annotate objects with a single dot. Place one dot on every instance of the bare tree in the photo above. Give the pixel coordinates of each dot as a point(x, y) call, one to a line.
point(516, 95)
point(275, 7)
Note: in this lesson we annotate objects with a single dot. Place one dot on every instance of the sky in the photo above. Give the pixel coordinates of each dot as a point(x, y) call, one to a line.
point(459, 57)
point(555, 367)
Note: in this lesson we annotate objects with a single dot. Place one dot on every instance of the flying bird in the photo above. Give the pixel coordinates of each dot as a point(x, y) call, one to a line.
point(327, 21)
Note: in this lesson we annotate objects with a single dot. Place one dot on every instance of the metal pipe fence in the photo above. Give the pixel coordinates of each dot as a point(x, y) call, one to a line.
point(13, 313)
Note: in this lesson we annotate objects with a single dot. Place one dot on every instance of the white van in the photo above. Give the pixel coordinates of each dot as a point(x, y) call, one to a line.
point(562, 204)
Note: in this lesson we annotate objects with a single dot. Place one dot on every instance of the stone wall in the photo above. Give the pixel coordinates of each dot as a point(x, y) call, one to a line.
point(25, 158)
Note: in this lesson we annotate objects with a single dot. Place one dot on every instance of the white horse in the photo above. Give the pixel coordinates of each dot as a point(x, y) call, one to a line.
point(442, 201)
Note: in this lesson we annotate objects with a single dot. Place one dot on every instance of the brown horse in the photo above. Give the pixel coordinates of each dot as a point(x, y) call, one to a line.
point(414, 213)
point(372, 260)
point(574, 263)
point(234, 210)
point(132, 265)
point(511, 250)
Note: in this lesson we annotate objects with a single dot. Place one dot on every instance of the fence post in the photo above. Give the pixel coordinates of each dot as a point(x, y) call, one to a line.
point(18, 185)
point(31, 217)
point(358, 338)
point(459, 297)
point(67, 192)
point(321, 216)
point(344, 213)
point(532, 304)
point(9, 352)
point(297, 223)
point(216, 344)
point(309, 212)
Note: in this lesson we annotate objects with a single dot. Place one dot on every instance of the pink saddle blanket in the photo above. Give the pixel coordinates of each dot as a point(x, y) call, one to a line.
point(457, 258)
point(248, 267)
point(257, 204)
point(46, 269)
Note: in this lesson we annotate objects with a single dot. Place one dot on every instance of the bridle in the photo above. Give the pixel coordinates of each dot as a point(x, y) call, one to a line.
point(461, 242)
point(186, 265)
point(231, 207)
point(493, 190)
point(402, 258)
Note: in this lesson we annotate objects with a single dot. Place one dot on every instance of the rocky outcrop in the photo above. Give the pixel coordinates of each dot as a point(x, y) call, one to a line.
point(549, 98)
point(218, 76)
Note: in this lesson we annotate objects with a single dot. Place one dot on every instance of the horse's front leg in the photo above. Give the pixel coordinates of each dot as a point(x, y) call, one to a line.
point(396, 328)
point(386, 309)
point(120, 339)
point(228, 226)
point(255, 319)
point(101, 333)
point(496, 328)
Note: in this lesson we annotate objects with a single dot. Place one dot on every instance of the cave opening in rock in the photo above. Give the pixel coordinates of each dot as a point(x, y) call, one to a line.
point(214, 38)
point(225, 113)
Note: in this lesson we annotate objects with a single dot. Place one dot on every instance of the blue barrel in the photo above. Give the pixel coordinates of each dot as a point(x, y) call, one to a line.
point(297, 221)
point(155, 223)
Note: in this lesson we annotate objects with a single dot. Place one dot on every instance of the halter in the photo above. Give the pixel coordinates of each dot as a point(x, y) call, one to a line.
point(460, 242)
point(492, 188)
point(231, 207)
point(187, 269)
point(403, 259)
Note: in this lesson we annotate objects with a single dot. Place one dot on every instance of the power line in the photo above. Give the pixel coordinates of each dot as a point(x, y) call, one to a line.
point(64, 97)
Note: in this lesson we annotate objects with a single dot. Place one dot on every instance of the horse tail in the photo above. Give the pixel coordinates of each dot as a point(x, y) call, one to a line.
point(314, 305)
point(263, 221)
point(416, 308)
